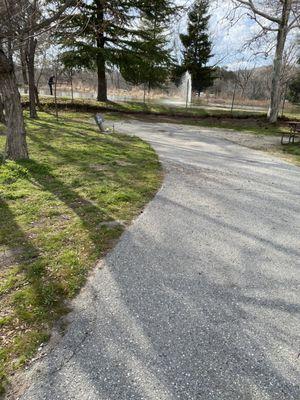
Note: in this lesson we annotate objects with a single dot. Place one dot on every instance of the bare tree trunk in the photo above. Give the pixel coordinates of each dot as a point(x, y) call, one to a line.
point(23, 67)
point(233, 97)
point(16, 146)
point(102, 84)
point(72, 89)
point(2, 116)
point(31, 78)
point(278, 62)
point(284, 98)
point(37, 97)
point(55, 90)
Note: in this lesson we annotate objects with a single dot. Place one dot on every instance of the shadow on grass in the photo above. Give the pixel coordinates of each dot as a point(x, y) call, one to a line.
point(31, 263)
point(33, 301)
point(36, 295)
point(140, 108)
point(90, 214)
point(113, 151)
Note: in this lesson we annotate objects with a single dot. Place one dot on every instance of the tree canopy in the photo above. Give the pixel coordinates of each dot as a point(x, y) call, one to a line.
point(149, 59)
point(104, 33)
point(198, 46)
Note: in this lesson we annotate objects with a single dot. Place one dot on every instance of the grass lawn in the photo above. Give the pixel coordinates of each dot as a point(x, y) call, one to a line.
point(246, 121)
point(52, 210)
point(240, 120)
point(293, 150)
point(135, 107)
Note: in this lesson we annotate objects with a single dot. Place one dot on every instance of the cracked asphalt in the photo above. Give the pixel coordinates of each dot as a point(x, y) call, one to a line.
point(200, 297)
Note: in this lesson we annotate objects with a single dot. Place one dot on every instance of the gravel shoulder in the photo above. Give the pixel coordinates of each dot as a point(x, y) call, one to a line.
point(256, 142)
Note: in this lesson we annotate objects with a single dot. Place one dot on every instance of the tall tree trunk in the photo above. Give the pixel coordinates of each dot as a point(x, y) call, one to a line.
point(233, 97)
point(102, 84)
point(278, 61)
point(37, 97)
point(24, 67)
point(2, 116)
point(31, 78)
point(16, 146)
point(72, 88)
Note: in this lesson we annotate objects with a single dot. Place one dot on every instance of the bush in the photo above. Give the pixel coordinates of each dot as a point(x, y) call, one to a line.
point(294, 90)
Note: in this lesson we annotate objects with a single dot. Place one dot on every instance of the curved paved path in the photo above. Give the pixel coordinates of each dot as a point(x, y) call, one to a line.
point(200, 298)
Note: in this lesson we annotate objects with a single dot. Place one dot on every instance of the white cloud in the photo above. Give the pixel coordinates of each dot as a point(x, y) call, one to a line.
point(230, 36)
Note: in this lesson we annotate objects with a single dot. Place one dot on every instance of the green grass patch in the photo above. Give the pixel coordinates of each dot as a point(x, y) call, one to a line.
point(51, 209)
point(155, 108)
point(293, 150)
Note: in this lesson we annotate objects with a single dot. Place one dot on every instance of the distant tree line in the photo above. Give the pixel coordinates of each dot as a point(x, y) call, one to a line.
point(254, 83)
point(294, 86)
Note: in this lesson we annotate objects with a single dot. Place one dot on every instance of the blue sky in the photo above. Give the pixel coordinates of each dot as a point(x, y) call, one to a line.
point(229, 39)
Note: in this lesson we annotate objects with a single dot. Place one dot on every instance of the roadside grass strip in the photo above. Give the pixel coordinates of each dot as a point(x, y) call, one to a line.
point(60, 212)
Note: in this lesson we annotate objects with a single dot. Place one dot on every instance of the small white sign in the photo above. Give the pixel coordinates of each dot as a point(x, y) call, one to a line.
point(99, 118)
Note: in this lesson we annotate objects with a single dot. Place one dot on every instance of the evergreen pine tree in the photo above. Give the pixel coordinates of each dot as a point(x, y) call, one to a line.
point(198, 47)
point(102, 33)
point(94, 35)
point(149, 60)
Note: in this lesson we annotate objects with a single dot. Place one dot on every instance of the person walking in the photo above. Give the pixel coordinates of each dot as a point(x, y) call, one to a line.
point(51, 83)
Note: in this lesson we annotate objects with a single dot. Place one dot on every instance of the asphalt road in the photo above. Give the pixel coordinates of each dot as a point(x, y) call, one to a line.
point(200, 298)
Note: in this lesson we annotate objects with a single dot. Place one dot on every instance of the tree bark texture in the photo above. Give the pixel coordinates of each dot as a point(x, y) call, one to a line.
point(31, 78)
point(278, 61)
point(24, 67)
point(102, 84)
point(2, 116)
point(16, 146)
point(37, 97)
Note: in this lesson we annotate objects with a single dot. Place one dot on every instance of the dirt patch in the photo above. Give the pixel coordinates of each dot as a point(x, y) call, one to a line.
point(270, 144)
point(99, 167)
point(123, 163)
point(10, 257)
point(112, 224)
point(250, 140)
